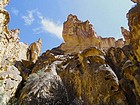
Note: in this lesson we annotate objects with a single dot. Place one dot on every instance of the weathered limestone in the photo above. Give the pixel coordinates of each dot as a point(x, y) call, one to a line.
point(34, 51)
point(44, 88)
point(14, 35)
point(107, 42)
point(134, 26)
point(119, 43)
point(10, 79)
point(131, 68)
point(87, 79)
point(11, 50)
point(116, 58)
point(126, 35)
point(85, 70)
point(80, 35)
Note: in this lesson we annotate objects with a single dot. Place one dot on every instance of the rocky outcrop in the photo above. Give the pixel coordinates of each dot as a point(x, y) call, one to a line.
point(87, 79)
point(106, 42)
point(11, 50)
point(44, 88)
point(34, 51)
point(80, 35)
point(131, 68)
point(126, 35)
point(85, 70)
point(134, 26)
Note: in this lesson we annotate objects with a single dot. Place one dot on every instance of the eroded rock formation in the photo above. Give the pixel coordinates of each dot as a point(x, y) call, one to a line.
point(126, 35)
point(80, 35)
point(34, 51)
point(11, 50)
point(85, 70)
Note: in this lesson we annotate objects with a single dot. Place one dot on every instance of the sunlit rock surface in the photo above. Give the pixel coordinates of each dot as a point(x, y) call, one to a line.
point(126, 35)
point(11, 50)
point(80, 35)
point(86, 69)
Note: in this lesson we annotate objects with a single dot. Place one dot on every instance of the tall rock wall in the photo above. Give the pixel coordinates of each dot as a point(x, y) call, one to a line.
point(85, 70)
point(11, 50)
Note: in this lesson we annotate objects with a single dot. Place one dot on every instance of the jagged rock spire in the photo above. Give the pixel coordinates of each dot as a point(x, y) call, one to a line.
point(79, 35)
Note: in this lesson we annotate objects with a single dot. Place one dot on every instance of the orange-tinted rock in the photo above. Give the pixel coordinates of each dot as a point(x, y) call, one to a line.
point(80, 35)
point(116, 58)
point(87, 77)
point(105, 43)
point(34, 51)
point(126, 35)
point(134, 26)
point(119, 43)
point(132, 73)
point(90, 79)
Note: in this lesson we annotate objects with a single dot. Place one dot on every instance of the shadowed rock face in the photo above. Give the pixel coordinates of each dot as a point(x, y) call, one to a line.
point(85, 70)
point(44, 88)
point(134, 25)
point(91, 80)
point(87, 79)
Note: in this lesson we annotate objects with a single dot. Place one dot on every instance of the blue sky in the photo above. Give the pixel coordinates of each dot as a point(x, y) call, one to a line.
point(44, 18)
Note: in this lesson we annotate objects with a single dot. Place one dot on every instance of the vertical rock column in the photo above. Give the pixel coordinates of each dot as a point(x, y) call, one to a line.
point(133, 72)
point(134, 26)
point(11, 50)
point(4, 20)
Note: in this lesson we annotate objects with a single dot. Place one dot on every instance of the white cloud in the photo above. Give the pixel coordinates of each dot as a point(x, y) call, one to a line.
point(15, 11)
point(29, 18)
point(51, 27)
point(46, 25)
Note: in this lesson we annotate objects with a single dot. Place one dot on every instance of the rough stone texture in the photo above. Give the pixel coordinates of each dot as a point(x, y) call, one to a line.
point(44, 88)
point(80, 35)
point(126, 35)
point(9, 81)
point(119, 43)
point(134, 26)
point(11, 50)
point(87, 79)
point(116, 58)
point(85, 70)
point(131, 69)
point(106, 42)
point(34, 51)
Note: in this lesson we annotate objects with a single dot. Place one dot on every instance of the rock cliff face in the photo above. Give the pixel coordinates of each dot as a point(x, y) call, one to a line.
point(11, 50)
point(80, 35)
point(85, 70)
